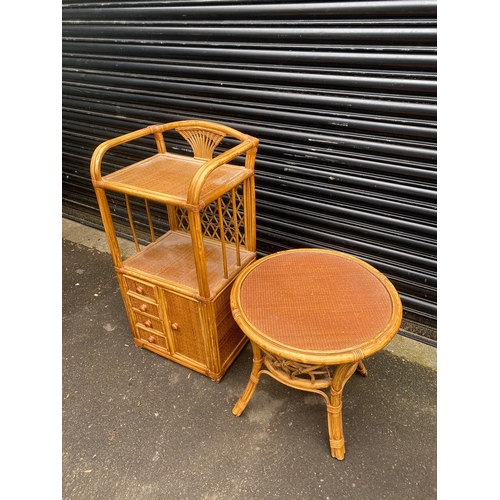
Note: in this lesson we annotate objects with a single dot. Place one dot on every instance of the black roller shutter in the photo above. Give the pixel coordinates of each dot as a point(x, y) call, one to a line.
point(342, 96)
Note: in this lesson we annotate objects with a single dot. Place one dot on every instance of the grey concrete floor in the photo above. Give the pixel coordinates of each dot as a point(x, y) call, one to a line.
point(137, 426)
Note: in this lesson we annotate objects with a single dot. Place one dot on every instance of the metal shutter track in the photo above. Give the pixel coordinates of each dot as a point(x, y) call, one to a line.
point(342, 96)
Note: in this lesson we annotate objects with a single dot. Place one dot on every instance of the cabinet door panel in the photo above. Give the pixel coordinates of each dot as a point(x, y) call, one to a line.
point(185, 320)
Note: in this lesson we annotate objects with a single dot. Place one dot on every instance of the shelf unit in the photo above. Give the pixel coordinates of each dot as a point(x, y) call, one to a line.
point(176, 286)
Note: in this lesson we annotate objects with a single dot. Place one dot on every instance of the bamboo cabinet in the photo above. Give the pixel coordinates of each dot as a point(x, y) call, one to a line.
point(176, 286)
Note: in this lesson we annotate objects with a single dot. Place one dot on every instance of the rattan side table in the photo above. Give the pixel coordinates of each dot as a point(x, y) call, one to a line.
point(312, 315)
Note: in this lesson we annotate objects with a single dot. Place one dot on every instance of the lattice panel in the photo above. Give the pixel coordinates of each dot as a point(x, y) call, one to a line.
point(182, 219)
point(223, 218)
point(291, 370)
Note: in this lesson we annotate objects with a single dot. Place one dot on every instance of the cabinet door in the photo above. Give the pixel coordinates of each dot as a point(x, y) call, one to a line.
point(185, 321)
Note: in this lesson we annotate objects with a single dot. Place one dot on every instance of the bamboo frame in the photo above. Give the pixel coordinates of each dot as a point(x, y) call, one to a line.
point(197, 193)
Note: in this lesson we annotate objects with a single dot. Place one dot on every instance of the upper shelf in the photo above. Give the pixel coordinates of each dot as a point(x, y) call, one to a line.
point(166, 178)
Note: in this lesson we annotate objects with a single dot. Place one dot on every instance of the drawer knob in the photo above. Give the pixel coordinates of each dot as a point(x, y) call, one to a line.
point(139, 289)
point(151, 339)
point(143, 307)
point(148, 323)
point(174, 326)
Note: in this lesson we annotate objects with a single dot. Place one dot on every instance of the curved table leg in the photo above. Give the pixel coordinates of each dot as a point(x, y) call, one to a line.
point(252, 383)
point(334, 408)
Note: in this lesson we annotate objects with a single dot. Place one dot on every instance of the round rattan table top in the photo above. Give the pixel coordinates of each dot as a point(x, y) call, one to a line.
point(316, 306)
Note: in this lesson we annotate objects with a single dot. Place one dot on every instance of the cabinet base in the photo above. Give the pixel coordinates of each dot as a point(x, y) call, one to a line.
point(200, 335)
point(192, 365)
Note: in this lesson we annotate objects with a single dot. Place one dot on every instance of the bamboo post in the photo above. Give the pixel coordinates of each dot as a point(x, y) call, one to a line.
point(334, 408)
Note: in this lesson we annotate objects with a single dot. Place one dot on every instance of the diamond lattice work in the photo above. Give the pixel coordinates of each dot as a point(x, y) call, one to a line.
point(221, 219)
point(182, 219)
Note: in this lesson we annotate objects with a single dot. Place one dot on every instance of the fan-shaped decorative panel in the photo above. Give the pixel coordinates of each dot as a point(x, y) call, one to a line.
point(202, 141)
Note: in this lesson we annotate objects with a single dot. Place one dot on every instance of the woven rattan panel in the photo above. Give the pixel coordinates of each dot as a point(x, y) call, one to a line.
point(315, 301)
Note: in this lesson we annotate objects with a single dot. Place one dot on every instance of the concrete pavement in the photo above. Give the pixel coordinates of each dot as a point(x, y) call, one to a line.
point(137, 426)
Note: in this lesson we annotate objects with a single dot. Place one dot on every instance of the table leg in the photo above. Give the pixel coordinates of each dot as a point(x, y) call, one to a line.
point(334, 408)
point(252, 383)
point(361, 369)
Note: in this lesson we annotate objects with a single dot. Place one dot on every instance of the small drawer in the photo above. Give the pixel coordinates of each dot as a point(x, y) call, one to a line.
point(152, 337)
point(148, 321)
point(143, 305)
point(141, 288)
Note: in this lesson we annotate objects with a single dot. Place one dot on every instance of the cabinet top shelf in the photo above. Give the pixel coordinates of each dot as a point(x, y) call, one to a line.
point(166, 178)
point(170, 262)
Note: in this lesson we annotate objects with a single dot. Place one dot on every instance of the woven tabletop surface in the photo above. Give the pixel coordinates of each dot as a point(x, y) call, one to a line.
point(171, 175)
point(314, 300)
